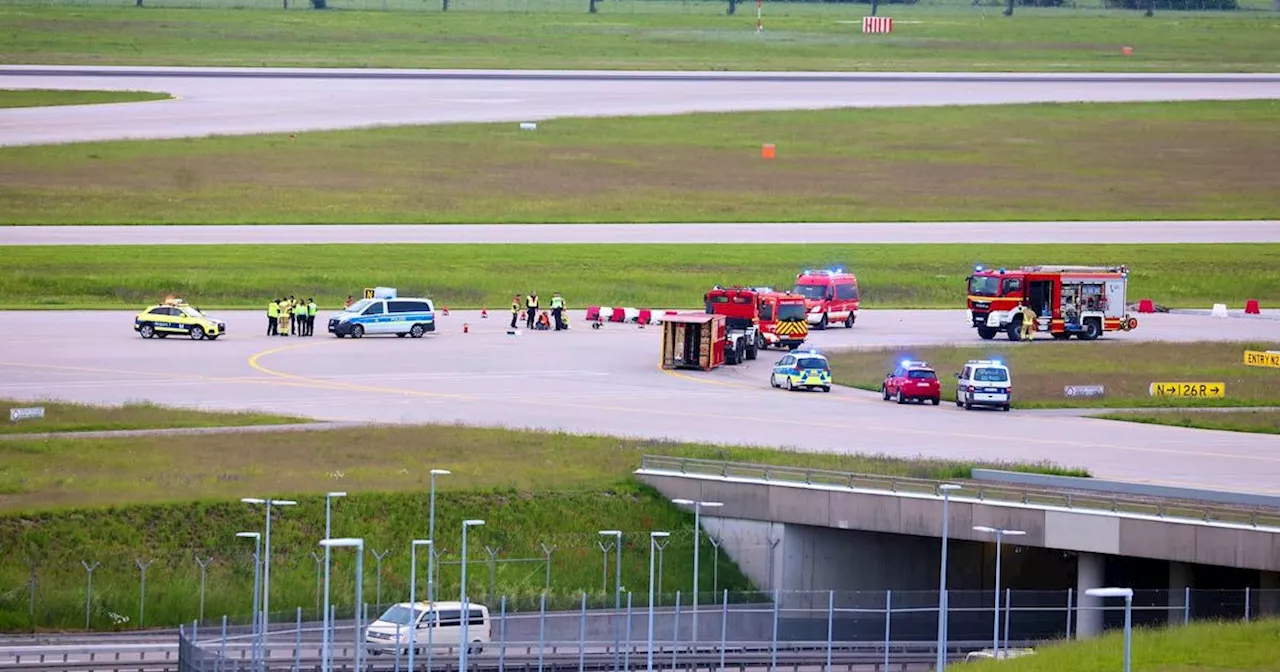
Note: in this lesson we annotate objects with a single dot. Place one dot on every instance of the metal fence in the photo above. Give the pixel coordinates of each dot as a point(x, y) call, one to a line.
point(772, 8)
point(784, 628)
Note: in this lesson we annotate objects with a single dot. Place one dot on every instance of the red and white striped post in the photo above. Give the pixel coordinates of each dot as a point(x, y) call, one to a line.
point(877, 24)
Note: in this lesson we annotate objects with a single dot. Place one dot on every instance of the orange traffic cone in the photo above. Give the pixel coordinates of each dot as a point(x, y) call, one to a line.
point(446, 310)
point(465, 328)
point(483, 313)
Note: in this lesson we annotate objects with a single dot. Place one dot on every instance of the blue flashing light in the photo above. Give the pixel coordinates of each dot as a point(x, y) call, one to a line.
point(977, 268)
point(998, 362)
point(906, 363)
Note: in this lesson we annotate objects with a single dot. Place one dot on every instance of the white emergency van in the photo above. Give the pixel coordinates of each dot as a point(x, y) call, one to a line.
point(385, 313)
point(437, 627)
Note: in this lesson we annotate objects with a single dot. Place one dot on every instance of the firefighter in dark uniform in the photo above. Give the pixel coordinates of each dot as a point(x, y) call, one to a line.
point(531, 306)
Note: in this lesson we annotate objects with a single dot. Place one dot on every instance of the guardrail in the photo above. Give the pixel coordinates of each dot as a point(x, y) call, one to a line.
point(1174, 510)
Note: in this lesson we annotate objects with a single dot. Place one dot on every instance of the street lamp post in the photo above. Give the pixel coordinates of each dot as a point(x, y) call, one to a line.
point(431, 536)
point(653, 542)
point(697, 528)
point(995, 621)
point(617, 592)
point(941, 662)
point(466, 607)
point(358, 544)
point(1127, 594)
point(413, 593)
point(328, 534)
point(266, 557)
point(257, 567)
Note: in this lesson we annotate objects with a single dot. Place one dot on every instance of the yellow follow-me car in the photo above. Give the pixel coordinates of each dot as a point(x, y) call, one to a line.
point(174, 316)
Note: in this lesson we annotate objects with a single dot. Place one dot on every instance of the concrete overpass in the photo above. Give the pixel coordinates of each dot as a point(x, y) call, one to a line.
point(806, 530)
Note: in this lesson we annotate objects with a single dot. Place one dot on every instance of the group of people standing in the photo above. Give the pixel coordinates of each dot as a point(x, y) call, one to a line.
point(535, 321)
point(291, 315)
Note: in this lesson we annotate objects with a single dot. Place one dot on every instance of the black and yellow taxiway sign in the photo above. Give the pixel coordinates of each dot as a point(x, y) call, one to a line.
point(369, 292)
point(1269, 359)
point(1190, 390)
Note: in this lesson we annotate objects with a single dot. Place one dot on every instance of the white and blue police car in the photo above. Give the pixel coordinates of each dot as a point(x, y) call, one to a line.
point(385, 313)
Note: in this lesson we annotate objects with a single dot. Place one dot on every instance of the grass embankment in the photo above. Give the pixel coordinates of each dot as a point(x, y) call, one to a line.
point(63, 417)
point(114, 501)
point(1204, 647)
point(1021, 162)
point(458, 276)
point(51, 97)
point(1261, 421)
point(1043, 368)
point(649, 35)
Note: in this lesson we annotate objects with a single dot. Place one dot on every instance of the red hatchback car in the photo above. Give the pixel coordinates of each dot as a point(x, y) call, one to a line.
point(914, 381)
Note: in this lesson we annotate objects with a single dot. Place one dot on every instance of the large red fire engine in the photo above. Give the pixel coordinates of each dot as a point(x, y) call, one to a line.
point(757, 318)
point(1084, 301)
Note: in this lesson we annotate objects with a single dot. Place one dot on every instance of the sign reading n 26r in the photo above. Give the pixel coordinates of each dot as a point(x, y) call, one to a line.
point(1193, 390)
point(1270, 359)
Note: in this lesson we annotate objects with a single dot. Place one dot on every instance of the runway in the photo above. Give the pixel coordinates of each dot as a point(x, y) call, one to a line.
point(213, 101)
point(608, 382)
point(1148, 232)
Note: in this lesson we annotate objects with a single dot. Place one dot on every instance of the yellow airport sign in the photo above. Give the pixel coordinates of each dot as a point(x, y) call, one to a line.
point(369, 293)
point(1190, 390)
point(1270, 359)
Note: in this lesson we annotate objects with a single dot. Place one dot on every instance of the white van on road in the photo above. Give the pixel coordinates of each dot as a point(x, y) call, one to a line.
point(439, 627)
point(399, 316)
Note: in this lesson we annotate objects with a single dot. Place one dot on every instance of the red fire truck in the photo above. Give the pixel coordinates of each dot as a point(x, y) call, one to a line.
point(1080, 301)
point(757, 318)
point(831, 295)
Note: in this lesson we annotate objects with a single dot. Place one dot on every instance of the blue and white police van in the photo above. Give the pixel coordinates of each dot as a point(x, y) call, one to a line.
point(385, 313)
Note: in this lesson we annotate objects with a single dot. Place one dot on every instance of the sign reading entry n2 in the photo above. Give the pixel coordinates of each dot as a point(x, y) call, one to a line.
point(1269, 359)
point(1192, 390)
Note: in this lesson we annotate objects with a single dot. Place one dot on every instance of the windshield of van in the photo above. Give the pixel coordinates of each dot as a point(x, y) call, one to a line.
point(991, 375)
point(811, 292)
point(359, 306)
point(790, 311)
point(400, 615)
point(980, 285)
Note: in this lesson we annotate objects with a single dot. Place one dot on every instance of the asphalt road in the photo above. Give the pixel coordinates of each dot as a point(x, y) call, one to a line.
point(607, 381)
point(1144, 232)
point(287, 100)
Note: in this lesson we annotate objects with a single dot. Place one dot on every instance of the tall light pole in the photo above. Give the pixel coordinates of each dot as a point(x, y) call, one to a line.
point(431, 536)
point(995, 621)
point(328, 534)
point(941, 662)
point(697, 528)
point(266, 557)
point(617, 592)
point(257, 567)
point(466, 607)
point(413, 593)
point(653, 539)
point(358, 544)
point(1127, 594)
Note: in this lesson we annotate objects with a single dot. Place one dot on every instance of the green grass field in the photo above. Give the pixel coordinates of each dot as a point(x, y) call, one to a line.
point(1041, 370)
point(1019, 162)
point(1262, 421)
point(64, 417)
point(648, 35)
point(50, 97)
point(458, 276)
point(115, 500)
point(1203, 647)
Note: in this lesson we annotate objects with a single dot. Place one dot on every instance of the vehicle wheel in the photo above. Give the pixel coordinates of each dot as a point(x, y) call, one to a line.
point(417, 331)
point(968, 404)
point(787, 385)
point(1006, 407)
point(884, 392)
point(475, 650)
point(196, 332)
point(773, 380)
point(937, 400)
point(826, 388)
point(761, 344)
point(822, 323)
point(1091, 331)
point(357, 331)
point(147, 331)
point(901, 399)
point(1014, 330)
point(958, 403)
point(848, 321)
point(751, 351)
point(987, 333)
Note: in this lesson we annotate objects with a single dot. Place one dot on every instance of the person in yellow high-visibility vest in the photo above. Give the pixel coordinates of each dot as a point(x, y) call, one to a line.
point(300, 318)
point(311, 316)
point(557, 310)
point(1028, 322)
point(515, 310)
point(273, 317)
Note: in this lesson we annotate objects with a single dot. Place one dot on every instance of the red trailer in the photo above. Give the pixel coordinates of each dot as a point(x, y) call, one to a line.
point(693, 341)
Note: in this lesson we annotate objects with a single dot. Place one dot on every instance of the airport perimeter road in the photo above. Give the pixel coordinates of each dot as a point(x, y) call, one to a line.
point(1144, 232)
point(287, 100)
point(607, 381)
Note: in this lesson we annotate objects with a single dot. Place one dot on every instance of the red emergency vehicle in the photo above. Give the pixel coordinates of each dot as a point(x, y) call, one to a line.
point(778, 317)
point(1080, 301)
point(831, 296)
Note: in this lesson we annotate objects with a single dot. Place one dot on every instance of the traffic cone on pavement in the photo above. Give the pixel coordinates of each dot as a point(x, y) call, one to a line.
point(446, 310)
